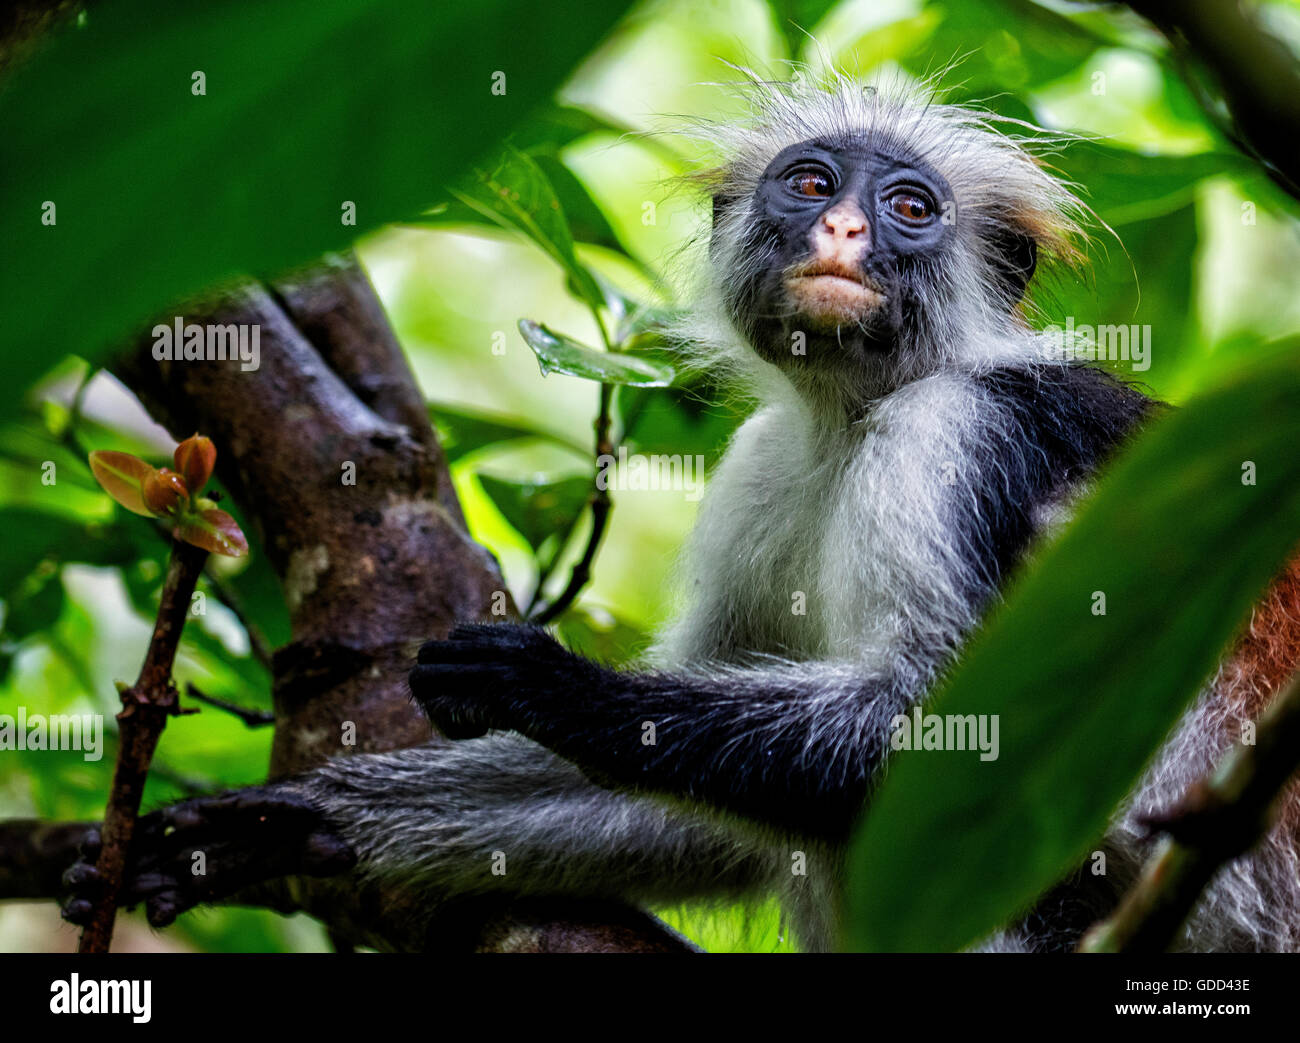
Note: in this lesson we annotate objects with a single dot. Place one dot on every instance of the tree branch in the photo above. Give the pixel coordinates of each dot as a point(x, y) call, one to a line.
point(1257, 74)
point(146, 705)
point(370, 570)
point(251, 718)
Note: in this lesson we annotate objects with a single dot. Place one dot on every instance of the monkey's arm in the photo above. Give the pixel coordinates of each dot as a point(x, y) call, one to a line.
point(499, 815)
point(795, 746)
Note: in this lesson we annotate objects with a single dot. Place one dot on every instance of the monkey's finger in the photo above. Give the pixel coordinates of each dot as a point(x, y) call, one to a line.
point(80, 876)
point(469, 642)
point(89, 845)
point(77, 911)
point(476, 679)
point(162, 909)
point(457, 653)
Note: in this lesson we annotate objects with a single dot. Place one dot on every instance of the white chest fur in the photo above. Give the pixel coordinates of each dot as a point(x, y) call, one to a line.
point(818, 542)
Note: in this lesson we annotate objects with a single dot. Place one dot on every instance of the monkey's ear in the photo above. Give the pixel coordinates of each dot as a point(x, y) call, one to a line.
point(1014, 256)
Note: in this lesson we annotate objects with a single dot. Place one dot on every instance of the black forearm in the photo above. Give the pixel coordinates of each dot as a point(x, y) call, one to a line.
point(780, 751)
point(792, 745)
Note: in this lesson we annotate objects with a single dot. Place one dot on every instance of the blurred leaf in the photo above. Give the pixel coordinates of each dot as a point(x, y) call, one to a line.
point(556, 126)
point(28, 442)
point(257, 589)
point(310, 104)
point(539, 509)
point(890, 42)
point(610, 641)
point(32, 536)
point(516, 194)
point(587, 222)
point(797, 18)
point(37, 608)
point(1123, 186)
point(254, 683)
point(1001, 45)
point(557, 353)
point(675, 421)
point(953, 846)
point(462, 431)
point(1146, 280)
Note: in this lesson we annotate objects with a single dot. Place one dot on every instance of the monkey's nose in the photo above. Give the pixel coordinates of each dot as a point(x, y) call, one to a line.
point(845, 221)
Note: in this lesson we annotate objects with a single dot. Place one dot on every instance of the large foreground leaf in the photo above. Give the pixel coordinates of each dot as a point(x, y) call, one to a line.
point(310, 105)
point(953, 846)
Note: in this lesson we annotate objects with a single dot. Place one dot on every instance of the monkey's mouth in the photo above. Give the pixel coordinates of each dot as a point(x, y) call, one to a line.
point(832, 295)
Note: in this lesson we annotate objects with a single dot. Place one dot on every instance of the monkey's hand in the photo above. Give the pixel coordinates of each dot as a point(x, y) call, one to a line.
point(244, 837)
point(486, 676)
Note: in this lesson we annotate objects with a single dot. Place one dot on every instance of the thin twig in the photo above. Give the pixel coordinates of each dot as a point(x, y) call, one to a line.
point(1220, 818)
point(600, 503)
point(257, 643)
point(146, 705)
point(251, 718)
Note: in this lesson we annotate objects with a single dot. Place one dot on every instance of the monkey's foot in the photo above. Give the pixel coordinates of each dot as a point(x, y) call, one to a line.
point(206, 849)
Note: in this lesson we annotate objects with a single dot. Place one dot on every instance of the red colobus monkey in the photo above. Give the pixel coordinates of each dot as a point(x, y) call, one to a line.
point(863, 277)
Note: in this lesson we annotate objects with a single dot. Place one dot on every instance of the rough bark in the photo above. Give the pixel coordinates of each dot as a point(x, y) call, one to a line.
point(369, 570)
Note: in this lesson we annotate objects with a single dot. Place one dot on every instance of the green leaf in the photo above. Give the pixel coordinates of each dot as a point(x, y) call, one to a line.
point(557, 353)
point(678, 420)
point(587, 222)
point(953, 846)
point(1148, 283)
point(310, 104)
point(539, 509)
point(37, 608)
point(1121, 185)
point(251, 685)
point(1003, 45)
point(32, 536)
point(517, 194)
point(462, 431)
point(797, 18)
point(608, 640)
point(644, 319)
point(554, 127)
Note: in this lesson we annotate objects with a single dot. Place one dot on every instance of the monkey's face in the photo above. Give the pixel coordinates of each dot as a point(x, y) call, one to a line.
point(845, 235)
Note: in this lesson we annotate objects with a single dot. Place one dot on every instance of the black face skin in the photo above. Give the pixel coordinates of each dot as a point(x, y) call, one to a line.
point(902, 200)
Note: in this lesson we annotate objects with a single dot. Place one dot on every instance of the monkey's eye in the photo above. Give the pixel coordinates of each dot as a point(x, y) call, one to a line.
point(810, 183)
point(911, 207)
